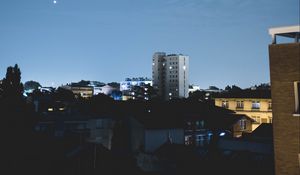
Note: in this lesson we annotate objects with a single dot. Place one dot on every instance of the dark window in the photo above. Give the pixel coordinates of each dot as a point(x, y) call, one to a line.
point(243, 124)
point(239, 104)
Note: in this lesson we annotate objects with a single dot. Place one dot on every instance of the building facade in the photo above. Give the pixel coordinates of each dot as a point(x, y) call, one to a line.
point(259, 109)
point(81, 91)
point(129, 83)
point(285, 77)
point(170, 75)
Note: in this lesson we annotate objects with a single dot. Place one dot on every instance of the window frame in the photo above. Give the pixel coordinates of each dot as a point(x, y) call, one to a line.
point(254, 103)
point(297, 98)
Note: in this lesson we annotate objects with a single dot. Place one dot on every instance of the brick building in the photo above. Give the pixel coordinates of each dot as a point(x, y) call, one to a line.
point(285, 77)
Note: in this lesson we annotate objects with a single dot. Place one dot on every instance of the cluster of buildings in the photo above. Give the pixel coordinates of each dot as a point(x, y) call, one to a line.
point(170, 80)
point(250, 121)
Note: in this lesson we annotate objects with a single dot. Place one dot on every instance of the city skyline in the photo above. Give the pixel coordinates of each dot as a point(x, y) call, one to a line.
point(67, 41)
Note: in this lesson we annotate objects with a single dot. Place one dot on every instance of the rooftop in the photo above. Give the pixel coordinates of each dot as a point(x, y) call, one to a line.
point(287, 31)
point(248, 93)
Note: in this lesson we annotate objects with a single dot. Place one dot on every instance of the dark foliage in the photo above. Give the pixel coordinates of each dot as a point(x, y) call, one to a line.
point(31, 85)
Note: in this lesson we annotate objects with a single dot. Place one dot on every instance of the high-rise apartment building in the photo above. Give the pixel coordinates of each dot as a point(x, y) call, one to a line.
point(285, 83)
point(170, 74)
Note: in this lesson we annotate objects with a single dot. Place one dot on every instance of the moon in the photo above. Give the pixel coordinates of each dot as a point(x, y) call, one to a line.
point(54, 2)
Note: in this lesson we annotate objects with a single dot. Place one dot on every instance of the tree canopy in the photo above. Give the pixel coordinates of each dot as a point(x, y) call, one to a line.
point(31, 85)
point(11, 86)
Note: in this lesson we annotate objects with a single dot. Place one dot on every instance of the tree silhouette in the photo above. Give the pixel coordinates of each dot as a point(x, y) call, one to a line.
point(11, 85)
point(32, 85)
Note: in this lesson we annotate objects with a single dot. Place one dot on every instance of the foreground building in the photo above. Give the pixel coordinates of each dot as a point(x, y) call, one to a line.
point(170, 75)
point(285, 83)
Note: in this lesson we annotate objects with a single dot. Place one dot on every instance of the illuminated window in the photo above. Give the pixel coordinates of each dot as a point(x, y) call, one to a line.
point(255, 105)
point(225, 104)
point(50, 109)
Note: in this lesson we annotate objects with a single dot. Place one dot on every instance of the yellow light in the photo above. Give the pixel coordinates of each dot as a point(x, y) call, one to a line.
point(50, 109)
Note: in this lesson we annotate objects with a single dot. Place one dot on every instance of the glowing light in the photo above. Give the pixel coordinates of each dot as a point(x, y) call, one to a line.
point(170, 67)
point(50, 109)
point(222, 134)
point(184, 67)
point(54, 2)
point(61, 109)
point(170, 94)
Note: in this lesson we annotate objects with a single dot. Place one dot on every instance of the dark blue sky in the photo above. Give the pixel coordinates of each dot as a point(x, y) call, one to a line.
point(109, 40)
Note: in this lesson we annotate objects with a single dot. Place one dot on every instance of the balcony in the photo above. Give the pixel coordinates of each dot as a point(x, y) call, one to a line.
point(255, 109)
point(239, 108)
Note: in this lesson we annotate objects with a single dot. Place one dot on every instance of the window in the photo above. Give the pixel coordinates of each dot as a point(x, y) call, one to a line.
point(256, 118)
point(225, 104)
point(99, 124)
point(264, 120)
point(297, 97)
point(270, 105)
point(270, 120)
point(255, 105)
point(243, 124)
point(240, 104)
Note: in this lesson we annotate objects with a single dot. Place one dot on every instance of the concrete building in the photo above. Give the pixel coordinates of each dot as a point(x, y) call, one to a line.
point(170, 74)
point(285, 78)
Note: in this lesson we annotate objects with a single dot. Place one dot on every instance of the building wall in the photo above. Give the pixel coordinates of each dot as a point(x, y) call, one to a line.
point(183, 70)
point(101, 131)
point(261, 115)
point(137, 136)
point(154, 138)
point(284, 70)
point(238, 129)
point(157, 71)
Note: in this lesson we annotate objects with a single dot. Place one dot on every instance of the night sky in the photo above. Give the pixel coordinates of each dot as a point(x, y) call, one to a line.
point(109, 40)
